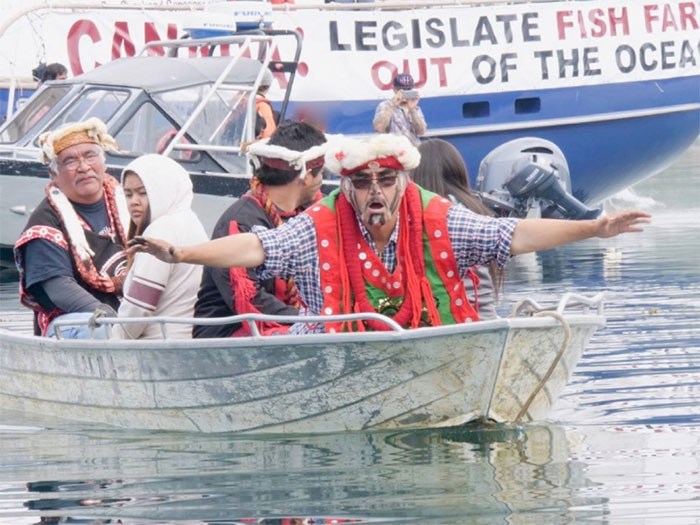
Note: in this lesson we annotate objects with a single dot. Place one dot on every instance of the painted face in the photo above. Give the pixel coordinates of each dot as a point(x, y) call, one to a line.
point(136, 198)
point(375, 193)
point(80, 170)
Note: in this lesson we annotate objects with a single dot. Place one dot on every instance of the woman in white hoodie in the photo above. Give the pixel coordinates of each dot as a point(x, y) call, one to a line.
point(159, 195)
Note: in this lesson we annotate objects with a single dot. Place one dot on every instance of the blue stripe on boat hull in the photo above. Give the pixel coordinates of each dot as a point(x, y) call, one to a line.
point(613, 135)
point(603, 157)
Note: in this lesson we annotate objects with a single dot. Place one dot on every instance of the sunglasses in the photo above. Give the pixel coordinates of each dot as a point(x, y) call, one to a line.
point(365, 183)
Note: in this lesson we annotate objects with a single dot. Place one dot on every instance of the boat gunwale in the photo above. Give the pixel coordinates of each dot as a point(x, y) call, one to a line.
point(422, 333)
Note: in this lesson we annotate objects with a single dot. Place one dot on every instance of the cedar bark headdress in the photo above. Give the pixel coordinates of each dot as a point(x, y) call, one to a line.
point(92, 130)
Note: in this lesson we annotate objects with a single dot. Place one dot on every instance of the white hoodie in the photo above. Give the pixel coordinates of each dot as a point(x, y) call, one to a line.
point(152, 287)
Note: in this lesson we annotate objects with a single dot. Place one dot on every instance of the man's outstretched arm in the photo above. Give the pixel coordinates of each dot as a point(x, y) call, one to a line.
point(533, 235)
point(242, 250)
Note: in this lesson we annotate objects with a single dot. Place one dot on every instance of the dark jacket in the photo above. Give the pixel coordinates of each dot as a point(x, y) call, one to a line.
point(216, 294)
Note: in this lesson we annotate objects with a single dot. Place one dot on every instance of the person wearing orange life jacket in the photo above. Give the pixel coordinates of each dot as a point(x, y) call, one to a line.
point(382, 243)
point(266, 122)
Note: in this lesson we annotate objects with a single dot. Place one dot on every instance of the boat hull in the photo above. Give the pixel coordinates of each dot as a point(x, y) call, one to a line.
point(612, 135)
point(431, 377)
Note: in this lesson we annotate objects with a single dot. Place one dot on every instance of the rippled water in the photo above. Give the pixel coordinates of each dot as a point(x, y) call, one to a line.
point(622, 445)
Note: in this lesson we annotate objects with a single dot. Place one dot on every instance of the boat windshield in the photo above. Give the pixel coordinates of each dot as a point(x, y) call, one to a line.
point(149, 130)
point(94, 102)
point(34, 115)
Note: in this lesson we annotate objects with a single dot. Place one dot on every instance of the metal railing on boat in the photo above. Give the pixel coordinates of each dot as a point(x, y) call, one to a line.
point(526, 308)
point(266, 50)
point(383, 5)
point(249, 319)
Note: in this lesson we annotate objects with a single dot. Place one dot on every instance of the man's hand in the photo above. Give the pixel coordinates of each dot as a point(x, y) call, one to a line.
point(532, 235)
point(160, 249)
point(621, 222)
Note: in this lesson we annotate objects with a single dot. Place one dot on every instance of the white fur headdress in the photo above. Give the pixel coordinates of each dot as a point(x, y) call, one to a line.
point(91, 130)
point(346, 156)
point(74, 228)
point(279, 157)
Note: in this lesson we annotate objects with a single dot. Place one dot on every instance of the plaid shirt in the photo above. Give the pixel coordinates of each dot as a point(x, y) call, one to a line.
point(401, 122)
point(291, 251)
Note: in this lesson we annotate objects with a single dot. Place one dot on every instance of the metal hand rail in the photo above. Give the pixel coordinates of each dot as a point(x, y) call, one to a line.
point(526, 307)
point(268, 47)
point(250, 319)
point(246, 42)
point(529, 306)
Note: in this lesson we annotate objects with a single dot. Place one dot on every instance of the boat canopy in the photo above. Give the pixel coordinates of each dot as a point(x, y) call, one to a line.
point(172, 73)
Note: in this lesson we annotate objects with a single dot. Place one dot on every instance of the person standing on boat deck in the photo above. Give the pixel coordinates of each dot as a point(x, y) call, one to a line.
point(442, 171)
point(287, 177)
point(54, 71)
point(401, 114)
point(266, 122)
point(159, 195)
point(71, 255)
point(381, 243)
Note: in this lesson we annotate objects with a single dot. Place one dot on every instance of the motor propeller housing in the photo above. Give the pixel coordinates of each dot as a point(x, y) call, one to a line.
point(528, 173)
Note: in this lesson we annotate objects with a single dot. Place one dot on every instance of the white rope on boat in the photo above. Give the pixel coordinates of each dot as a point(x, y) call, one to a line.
point(557, 358)
point(530, 307)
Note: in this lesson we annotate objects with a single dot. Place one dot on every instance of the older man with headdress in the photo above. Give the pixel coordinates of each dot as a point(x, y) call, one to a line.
point(71, 253)
point(382, 243)
point(287, 177)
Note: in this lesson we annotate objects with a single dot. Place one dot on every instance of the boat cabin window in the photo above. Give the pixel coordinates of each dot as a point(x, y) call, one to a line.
point(150, 131)
point(100, 103)
point(34, 114)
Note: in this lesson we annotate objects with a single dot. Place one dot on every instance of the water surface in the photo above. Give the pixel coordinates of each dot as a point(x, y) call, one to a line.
point(622, 446)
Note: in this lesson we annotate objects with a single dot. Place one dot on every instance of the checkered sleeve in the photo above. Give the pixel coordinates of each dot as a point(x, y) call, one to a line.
point(477, 239)
point(290, 250)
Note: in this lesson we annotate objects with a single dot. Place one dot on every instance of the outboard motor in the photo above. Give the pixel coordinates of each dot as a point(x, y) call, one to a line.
point(526, 173)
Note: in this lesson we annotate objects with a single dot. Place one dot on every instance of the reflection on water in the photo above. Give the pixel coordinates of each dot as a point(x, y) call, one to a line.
point(530, 475)
point(483, 476)
point(622, 445)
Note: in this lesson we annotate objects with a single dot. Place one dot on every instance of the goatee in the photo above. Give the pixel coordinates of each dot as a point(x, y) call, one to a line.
point(377, 219)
